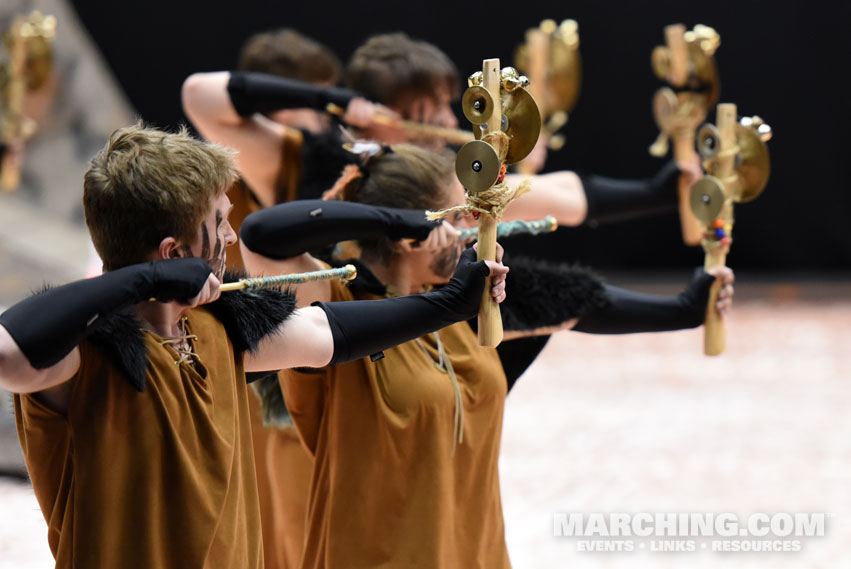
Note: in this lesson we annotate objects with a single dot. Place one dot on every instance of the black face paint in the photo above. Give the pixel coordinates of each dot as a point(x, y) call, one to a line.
point(443, 263)
point(216, 257)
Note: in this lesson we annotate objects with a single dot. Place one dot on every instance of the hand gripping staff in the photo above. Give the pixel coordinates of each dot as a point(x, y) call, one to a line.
point(736, 160)
point(506, 125)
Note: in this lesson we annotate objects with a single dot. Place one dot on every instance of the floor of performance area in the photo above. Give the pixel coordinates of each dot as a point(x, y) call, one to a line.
point(647, 424)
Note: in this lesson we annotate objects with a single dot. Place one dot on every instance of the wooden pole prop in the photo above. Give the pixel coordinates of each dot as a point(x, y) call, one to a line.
point(490, 319)
point(715, 337)
point(450, 135)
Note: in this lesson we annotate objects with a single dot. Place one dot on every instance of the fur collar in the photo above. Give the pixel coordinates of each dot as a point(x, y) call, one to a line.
point(248, 317)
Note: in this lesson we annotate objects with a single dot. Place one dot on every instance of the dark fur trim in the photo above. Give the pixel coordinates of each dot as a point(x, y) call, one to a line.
point(247, 317)
point(540, 293)
point(274, 410)
point(250, 316)
point(120, 337)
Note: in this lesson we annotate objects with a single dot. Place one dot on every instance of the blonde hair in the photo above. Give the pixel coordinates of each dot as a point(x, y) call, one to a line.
point(146, 185)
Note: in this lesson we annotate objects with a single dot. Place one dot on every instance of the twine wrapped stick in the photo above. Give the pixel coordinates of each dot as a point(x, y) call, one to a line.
point(345, 274)
point(516, 227)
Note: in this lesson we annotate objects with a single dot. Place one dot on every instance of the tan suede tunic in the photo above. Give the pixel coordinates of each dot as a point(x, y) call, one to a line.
point(386, 489)
point(161, 479)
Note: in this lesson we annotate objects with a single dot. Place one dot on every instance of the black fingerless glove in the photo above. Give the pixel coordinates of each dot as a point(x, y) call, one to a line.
point(290, 229)
point(252, 92)
point(365, 327)
point(49, 325)
point(631, 312)
point(611, 200)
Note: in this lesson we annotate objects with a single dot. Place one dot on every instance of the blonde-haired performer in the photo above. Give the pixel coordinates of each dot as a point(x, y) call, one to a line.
point(131, 396)
point(406, 448)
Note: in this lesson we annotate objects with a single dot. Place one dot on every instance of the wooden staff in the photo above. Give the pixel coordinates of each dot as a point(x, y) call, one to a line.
point(715, 339)
point(451, 135)
point(345, 273)
point(490, 319)
point(683, 134)
point(516, 227)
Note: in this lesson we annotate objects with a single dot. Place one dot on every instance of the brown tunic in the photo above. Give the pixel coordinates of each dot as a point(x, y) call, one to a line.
point(386, 489)
point(283, 465)
point(163, 478)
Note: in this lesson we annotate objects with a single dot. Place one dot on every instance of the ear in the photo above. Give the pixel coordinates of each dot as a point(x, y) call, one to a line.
point(169, 248)
point(406, 245)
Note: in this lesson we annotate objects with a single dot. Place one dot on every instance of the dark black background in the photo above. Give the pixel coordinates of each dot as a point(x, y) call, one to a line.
point(785, 61)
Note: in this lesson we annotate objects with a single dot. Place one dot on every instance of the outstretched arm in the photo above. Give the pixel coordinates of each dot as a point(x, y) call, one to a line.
point(337, 332)
point(39, 336)
point(258, 140)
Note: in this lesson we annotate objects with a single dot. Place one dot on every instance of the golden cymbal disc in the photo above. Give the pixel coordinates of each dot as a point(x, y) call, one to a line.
point(477, 104)
point(706, 199)
point(477, 166)
point(753, 165)
point(564, 74)
point(708, 141)
point(664, 109)
point(521, 122)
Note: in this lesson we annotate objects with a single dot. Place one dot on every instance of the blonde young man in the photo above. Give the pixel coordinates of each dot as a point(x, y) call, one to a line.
point(131, 397)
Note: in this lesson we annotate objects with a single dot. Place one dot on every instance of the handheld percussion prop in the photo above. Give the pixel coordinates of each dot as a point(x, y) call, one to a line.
point(450, 135)
point(29, 43)
point(550, 59)
point(506, 125)
point(687, 65)
point(736, 160)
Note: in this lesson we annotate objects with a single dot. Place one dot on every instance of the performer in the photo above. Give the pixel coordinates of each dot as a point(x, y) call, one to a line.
point(406, 448)
point(132, 412)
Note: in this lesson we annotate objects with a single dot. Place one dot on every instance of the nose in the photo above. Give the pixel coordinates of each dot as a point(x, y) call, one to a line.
point(230, 235)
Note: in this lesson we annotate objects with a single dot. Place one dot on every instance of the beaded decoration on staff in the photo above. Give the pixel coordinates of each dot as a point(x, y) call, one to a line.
point(506, 125)
point(736, 159)
point(345, 273)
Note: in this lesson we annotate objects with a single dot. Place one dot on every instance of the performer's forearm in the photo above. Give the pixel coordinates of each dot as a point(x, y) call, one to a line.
point(290, 229)
point(46, 327)
point(631, 312)
point(252, 92)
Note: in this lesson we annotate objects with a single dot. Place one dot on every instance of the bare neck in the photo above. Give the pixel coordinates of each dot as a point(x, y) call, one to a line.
point(161, 318)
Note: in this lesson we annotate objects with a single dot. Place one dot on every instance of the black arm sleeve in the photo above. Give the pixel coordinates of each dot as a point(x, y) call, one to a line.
point(290, 229)
point(366, 327)
point(252, 92)
point(48, 326)
point(631, 312)
point(612, 200)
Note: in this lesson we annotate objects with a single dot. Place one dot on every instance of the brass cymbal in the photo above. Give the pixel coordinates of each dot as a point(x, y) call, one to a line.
point(660, 61)
point(753, 164)
point(477, 104)
point(477, 166)
point(564, 68)
point(707, 198)
point(521, 122)
point(708, 141)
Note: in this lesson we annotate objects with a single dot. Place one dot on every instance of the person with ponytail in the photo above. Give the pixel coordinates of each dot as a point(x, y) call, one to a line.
point(405, 444)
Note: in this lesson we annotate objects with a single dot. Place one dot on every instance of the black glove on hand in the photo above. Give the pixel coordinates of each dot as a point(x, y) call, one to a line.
point(632, 312)
point(365, 327)
point(252, 92)
point(49, 325)
point(610, 199)
point(290, 229)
